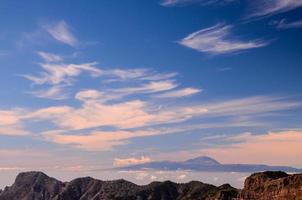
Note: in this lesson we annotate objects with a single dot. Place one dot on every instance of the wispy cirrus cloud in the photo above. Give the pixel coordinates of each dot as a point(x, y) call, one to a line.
point(57, 77)
point(138, 113)
point(56, 92)
point(263, 8)
point(150, 87)
point(50, 57)
point(179, 93)
point(95, 141)
point(62, 33)
point(118, 93)
point(132, 119)
point(188, 2)
point(284, 24)
point(219, 39)
point(78, 126)
point(55, 74)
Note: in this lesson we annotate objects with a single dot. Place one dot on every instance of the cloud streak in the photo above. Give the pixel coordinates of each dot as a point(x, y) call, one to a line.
point(49, 57)
point(96, 141)
point(170, 3)
point(179, 93)
point(55, 74)
point(133, 119)
point(61, 32)
point(283, 24)
point(264, 8)
point(218, 39)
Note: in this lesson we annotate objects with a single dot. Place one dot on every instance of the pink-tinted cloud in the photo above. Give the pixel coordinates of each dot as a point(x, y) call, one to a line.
point(96, 141)
point(274, 148)
point(131, 161)
point(278, 148)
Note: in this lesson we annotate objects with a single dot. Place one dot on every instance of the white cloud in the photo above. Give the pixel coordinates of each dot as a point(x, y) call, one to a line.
point(61, 32)
point(218, 40)
point(262, 8)
point(131, 161)
point(179, 93)
point(49, 57)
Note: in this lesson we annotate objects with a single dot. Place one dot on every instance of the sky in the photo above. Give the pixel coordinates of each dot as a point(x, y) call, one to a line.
point(88, 86)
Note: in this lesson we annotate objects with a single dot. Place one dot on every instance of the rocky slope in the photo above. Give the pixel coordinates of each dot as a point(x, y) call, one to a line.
point(260, 186)
point(272, 186)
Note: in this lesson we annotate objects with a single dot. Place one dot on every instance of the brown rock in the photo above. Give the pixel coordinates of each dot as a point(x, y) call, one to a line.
point(272, 186)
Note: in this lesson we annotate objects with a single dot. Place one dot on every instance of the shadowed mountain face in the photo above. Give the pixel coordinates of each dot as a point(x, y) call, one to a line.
point(208, 164)
point(38, 186)
point(259, 186)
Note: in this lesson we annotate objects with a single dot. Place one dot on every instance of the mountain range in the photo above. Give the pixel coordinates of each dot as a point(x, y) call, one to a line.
point(259, 186)
point(208, 164)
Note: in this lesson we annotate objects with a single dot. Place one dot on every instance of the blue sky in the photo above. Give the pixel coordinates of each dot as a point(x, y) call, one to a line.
point(87, 86)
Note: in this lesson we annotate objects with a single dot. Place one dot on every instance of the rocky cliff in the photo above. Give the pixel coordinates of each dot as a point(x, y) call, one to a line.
point(272, 186)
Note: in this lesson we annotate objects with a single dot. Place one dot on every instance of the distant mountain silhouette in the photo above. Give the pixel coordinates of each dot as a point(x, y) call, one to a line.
point(208, 164)
point(259, 186)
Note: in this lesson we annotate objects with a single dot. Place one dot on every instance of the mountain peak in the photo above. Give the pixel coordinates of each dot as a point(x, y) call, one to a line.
point(31, 177)
point(204, 160)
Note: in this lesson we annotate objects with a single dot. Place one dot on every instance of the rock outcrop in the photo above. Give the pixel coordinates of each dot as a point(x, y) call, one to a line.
point(272, 186)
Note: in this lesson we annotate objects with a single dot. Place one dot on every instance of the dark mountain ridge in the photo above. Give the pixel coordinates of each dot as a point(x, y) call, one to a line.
point(259, 186)
point(208, 164)
point(38, 186)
